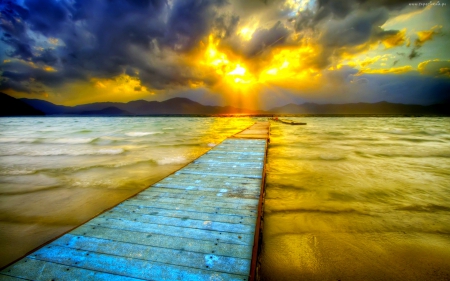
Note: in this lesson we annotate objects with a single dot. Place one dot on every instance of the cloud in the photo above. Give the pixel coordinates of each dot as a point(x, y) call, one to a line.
point(219, 46)
point(426, 35)
point(395, 39)
point(434, 67)
point(392, 70)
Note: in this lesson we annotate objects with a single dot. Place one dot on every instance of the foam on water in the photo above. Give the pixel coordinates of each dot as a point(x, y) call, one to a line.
point(172, 160)
point(141, 134)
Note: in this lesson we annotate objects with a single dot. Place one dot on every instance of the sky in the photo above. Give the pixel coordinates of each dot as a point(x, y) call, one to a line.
point(252, 54)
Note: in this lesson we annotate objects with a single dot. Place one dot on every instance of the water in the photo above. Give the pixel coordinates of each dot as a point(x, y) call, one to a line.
point(56, 173)
point(346, 198)
point(358, 199)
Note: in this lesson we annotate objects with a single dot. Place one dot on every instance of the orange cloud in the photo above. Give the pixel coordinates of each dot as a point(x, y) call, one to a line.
point(445, 71)
point(427, 35)
point(392, 70)
point(395, 40)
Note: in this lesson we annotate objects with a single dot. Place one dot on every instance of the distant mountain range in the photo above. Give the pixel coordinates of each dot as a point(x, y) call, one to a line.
point(183, 106)
point(138, 107)
point(10, 106)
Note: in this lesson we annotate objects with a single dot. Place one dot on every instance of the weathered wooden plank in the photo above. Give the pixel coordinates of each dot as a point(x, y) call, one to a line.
point(181, 222)
point(193, 195)
point(157, 254)
point(227, 165)
point(175, 201)
point(210, 180)
point(200, 234)
point(235, 152)
point(230, 158)
point(164, 241)
point(215, 172)
point(185, 214)
point(190, 207)
point(212, 186)
point(249, 194)
point(10, 278)
point(38, 270)
point(126, 266)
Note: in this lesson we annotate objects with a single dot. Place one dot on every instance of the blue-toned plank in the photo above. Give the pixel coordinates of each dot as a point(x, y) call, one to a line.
point(193, 195)
point(181, 222)
point(194, 233)
point(135, 268)
point(222, 192)
point(157, 254)
point(164, 241)
point(212, 172)
point(243, 205)
point(10, 278)
point(190, 207)
point(185, 214)
point(38, 270)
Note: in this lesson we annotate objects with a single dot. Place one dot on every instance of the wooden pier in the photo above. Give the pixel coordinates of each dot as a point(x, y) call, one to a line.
point(200, 223)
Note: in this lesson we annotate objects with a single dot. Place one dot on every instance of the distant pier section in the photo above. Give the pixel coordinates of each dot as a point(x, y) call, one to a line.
point(200, 223)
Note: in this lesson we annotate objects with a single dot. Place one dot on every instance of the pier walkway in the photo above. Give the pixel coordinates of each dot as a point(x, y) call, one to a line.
point(200, 223)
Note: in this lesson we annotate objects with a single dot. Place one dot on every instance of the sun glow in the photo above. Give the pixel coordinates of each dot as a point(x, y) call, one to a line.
point(229, 69)
point(282, 67)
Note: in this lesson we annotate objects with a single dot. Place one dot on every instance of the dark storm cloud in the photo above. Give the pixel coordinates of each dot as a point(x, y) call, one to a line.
point(264, 39)
point(346, 26)
point(105, 38)
point(409, 88)
point(46, 16)
point(225, 25)
point(189, 22)
point(356, 29)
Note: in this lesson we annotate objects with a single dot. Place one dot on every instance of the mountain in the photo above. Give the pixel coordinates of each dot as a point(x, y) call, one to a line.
point(139, 107)
point(183, 106)
point(10, 106)
point(106, 111)
point(45, 106)
point(361, 108)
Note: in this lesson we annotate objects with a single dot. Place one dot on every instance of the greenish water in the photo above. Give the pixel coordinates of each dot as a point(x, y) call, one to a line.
point(358, 199)
point(346, 198)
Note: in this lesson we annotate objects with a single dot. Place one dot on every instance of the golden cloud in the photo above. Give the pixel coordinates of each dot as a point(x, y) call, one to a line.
point(395, 40)
point(427, 35)
point(392, 70)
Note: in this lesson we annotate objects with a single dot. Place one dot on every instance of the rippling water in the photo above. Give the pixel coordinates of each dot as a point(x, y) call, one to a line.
point(358, 199)
point(56, 173)
point(346, 198)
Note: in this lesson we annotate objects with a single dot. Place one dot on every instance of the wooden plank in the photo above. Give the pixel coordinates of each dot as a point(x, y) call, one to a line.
point(158, 254)
point(125, 266)
point(175, 201)
point(169, 192)
point(194, 195)
point(31, 269)
point(230, 191)
point(221, 172)
point(10, 278)
point(185, 214)
point(187, 232)
point(181, 222)
point(210, 181)
point(190, 207)
point(164, 241)
point(226, 165)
